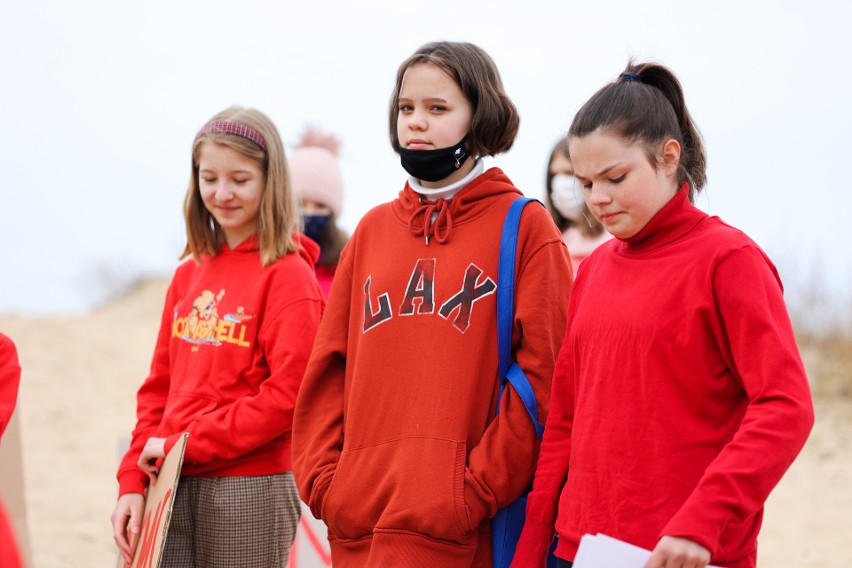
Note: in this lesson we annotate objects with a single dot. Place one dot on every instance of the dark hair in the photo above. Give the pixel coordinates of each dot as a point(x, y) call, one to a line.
point(646, 104)
point(495, 120)
point(590, 227)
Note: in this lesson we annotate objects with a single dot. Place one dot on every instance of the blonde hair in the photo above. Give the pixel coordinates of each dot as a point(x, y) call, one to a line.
point(278, 214)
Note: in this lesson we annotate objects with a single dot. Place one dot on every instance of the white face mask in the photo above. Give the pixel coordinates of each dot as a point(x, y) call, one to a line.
point(567, 196)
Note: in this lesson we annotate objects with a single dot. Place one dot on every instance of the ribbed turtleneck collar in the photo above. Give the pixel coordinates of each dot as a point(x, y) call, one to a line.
point(675, 219)
point(447, 192)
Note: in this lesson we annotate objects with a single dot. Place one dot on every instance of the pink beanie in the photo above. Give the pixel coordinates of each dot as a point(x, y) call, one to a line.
point(315, 171)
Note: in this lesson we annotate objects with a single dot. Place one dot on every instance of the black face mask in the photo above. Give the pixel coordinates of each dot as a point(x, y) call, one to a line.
point(434, 165)
point(315, 226)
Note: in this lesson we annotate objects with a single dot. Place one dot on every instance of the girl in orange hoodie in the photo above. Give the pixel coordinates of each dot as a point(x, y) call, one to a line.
point(396, 446)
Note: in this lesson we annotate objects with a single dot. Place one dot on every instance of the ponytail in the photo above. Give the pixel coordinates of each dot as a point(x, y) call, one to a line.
point(646, 104)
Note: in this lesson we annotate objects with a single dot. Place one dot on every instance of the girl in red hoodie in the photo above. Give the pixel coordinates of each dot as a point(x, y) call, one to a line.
point(10, 378)
point(679, 396)
point(237, 327)
point(396, 446)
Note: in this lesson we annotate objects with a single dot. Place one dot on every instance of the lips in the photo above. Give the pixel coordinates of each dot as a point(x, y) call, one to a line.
point(417, 144)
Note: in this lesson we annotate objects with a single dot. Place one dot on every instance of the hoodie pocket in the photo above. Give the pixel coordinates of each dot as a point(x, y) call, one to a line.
point(412, 484)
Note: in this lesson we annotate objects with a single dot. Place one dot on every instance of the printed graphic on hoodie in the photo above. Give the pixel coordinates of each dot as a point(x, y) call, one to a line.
point(420, 296)
point(204, 326)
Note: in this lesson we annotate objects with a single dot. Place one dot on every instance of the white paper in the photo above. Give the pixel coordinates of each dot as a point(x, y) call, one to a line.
point(602, 551)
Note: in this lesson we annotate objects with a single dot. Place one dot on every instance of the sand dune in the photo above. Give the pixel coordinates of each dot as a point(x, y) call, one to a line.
point(77, 400)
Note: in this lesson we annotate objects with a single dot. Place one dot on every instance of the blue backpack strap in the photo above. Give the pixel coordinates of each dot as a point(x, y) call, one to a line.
point(505, 313)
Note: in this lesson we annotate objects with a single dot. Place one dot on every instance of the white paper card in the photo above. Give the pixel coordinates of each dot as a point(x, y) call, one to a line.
point(600, 550)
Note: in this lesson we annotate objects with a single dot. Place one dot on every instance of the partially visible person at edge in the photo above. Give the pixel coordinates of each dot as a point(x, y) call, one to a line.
point(237, 328)
point(564, 199)
point(396, 446)
point(679, 396)
point(10, 378)
point(318, 184)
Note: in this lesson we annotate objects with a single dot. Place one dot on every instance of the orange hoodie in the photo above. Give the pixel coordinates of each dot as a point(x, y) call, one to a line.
point(395, 441)
point(233, 344)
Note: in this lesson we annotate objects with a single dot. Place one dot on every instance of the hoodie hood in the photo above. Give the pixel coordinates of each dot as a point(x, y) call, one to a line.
point(308, 249)
point(435, 219)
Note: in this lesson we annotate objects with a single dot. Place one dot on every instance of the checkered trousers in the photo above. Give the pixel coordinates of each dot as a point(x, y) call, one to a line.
point(228, 522)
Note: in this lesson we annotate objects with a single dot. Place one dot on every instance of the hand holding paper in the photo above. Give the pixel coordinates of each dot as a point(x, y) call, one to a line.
point(602, 550)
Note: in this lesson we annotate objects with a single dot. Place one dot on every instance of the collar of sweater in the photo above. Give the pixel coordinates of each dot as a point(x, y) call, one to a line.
point(448, 191)
point(675, 219)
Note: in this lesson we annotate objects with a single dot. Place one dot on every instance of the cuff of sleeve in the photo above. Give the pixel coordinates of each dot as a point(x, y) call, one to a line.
point(321, 485)
point(132, 482)
point(532, 548)
point(477, 509)
point(708, 537)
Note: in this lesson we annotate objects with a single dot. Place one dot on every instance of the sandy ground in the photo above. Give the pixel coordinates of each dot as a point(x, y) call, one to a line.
point(77, 401)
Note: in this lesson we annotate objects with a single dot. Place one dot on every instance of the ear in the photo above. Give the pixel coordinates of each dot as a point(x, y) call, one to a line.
point(670, 157)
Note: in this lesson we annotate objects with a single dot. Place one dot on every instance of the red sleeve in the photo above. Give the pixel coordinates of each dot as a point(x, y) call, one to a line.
point(10, 378)
point(757, 340)
point(552, 470)
point(318, 419)
point(150, 404)
point(500, 468)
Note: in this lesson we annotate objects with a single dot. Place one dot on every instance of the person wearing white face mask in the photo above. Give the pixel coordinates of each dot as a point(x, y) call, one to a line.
point(581, 232)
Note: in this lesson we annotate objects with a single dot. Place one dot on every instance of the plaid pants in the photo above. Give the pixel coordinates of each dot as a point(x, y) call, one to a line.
point(227, 522)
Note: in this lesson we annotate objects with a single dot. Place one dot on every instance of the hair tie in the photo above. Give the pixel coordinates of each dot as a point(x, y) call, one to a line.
point(234, 128)
point(628, 77)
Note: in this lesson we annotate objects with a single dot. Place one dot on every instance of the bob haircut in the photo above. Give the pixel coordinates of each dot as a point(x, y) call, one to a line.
point(591, 227)
point(646, 105)
point(277, 216)
point(495, 120)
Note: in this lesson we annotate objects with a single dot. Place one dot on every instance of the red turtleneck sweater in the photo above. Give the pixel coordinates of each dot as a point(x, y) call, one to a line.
point(395, 441)
point(234, 341)
point(679, 397)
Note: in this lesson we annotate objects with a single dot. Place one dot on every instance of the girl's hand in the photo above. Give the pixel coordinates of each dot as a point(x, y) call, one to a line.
point(674, 552)
point(126, 523)
point(153, 450)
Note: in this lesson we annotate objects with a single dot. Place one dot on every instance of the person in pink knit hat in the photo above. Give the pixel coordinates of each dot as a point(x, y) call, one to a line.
point(318, 183)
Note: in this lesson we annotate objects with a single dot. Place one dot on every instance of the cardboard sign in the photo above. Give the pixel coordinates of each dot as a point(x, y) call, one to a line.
point(310, 548)
point(148, 548)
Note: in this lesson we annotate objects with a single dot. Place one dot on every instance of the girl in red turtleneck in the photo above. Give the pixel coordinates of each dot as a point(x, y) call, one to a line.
point(679, 398)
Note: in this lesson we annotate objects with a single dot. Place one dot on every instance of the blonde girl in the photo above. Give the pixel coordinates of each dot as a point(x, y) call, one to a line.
point(237, 327)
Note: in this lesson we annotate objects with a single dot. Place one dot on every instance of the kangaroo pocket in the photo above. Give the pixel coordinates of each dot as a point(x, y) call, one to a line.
point(412, 484)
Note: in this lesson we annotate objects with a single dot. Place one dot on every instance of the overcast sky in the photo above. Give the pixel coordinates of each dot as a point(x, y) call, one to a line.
point(101, 101)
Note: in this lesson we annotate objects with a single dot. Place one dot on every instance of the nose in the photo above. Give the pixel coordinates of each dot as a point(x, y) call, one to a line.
point(223, 193)
point(417, 121)
point(597, 196)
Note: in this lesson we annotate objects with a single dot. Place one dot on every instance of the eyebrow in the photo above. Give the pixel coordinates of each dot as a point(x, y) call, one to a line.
point(600, 173)
point(233, 171)
point(428, 99)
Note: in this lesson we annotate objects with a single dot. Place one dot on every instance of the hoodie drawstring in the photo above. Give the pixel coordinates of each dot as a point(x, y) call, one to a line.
point(437, 220)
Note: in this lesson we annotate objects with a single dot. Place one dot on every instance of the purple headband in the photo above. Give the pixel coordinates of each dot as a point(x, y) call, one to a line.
point(233, 128)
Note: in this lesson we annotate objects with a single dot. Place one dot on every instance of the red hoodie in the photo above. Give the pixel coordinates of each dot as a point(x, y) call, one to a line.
point(233, 344)
point(10, 378)
point(395, 442)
